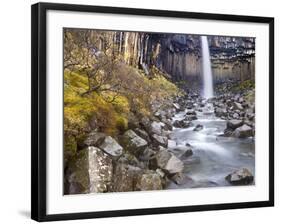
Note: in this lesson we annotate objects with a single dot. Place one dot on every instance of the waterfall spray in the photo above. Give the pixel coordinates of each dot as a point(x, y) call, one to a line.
point(208, 91)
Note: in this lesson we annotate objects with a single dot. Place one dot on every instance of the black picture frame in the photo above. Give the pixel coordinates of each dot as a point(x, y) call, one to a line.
point(38, 108)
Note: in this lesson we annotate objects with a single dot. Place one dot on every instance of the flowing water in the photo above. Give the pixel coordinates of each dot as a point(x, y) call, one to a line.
point(208, 90)
point(214, 157)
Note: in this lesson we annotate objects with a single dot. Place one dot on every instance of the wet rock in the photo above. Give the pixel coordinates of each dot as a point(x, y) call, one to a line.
point(149, 181)
point(240, 177)
point(198, 127)
point(168, 162)
point(181, 151)
point(180, 178)
point(233, 124)
point(190, 112)
point(243, 132)
point(111, 146)
point(228, 132)
point(190, 117)
point(182, 124)
point(133, 142)
point(160, 140)
point(187, 153)
point(89, 171)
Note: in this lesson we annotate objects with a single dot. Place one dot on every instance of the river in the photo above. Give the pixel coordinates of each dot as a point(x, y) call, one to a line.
point(214, 156)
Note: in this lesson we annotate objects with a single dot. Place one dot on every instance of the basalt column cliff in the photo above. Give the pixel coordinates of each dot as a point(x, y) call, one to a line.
point(180, 55)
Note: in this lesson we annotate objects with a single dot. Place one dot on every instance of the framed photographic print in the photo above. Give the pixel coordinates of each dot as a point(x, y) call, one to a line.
point(138, 111)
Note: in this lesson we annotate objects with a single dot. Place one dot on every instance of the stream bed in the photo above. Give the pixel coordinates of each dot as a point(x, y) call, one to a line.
point(214, 156)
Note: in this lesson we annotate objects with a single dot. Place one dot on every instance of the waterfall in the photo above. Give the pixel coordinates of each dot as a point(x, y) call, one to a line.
point(208, 91)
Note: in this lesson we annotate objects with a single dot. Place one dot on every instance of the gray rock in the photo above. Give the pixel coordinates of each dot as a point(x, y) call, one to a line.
point(143, 134)
point(180, 178)
point(181, 151)
point(133, 142)
point(160, 140)
point(156, 127)
point(147, 154)
point(243, 132)
point(219, 112)
point(94, 138)
point(149, 181)
point(233, 124)
point(190, 117)
point(236, 116)
point(182, 124)
point(125, 177)
point(198, 127)
point(168, 162)
point(240, 177)
point(90, 171)
point(190, 112)
point(237, 106)
point(111, 146)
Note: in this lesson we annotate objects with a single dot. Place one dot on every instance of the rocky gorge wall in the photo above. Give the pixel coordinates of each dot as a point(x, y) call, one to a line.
point(179, 55)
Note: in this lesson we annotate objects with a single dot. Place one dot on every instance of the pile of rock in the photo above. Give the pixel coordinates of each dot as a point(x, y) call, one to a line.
point(139, 159)
point(239, 129)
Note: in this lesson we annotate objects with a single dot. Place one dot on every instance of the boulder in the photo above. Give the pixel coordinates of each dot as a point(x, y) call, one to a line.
point(168, 162)
point(235, 116)
point(180, 178)
point(190, 112)
point(190, 117)
point(125, 177)
point(240, 177)
point(198, 127)
point(90, 171)
point(143, 134)
point(94, 138)
point(221, 112)
point(237, 106)
point(182, 124)
point(149, 181)
point(111, 146)
point(156, 127)
point(233, 124)
point(160, 140)
point(145, 123)
point(147, 154)
point(181, 151)
point(133, 142)
point(244, 131)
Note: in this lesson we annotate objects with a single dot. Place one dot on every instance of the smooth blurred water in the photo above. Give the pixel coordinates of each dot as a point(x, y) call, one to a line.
point(214, 157)
point(208, 90)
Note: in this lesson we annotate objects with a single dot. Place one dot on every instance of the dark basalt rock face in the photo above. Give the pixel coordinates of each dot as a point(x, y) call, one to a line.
point(179, 55)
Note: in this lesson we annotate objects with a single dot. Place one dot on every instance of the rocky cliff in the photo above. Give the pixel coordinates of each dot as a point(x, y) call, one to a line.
point(179, 55)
